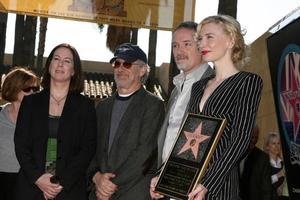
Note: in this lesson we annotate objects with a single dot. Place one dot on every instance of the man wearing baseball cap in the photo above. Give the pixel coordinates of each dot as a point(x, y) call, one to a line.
point(128, 124)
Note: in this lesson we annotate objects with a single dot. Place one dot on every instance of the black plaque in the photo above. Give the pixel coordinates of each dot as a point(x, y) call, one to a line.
point(190, 155)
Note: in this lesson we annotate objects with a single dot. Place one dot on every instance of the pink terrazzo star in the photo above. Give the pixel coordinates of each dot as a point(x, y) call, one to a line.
point(193, 140)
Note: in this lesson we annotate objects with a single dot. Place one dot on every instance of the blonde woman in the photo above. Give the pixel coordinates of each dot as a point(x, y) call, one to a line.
point(230, 94)
point(272, 146)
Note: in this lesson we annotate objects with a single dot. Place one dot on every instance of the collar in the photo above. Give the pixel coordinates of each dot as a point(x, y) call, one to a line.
point(126, 96)
point(194, 75)
point(276, 163)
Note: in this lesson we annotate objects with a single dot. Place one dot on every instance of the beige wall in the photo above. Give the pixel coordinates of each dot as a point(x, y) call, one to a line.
point(266, 117)
point(162, 74)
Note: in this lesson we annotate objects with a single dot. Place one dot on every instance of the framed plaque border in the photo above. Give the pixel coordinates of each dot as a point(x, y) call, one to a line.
point(200, 165)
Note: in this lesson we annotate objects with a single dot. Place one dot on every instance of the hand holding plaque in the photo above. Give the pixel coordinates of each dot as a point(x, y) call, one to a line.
point(190, 155)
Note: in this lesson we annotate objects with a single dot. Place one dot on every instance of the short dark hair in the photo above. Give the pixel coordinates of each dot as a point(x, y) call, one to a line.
point(187, 25)
point(16, 80)
point(76, 84)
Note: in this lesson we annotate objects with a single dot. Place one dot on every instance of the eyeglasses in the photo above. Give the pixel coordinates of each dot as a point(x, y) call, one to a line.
point(127, 65)
point(31, 88)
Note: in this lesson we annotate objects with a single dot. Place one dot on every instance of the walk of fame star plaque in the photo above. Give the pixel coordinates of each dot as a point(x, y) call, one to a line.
point(190, 155)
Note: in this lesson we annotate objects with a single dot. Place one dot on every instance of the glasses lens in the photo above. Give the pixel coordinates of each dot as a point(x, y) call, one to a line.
point(117, 64)
point(127, 65)
point(32, 88)
point(26, 89)
point(35, 88)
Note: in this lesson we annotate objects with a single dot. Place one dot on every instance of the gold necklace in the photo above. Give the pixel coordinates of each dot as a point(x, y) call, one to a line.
point(57, 101)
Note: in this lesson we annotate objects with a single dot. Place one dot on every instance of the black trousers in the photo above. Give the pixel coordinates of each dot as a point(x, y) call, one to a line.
point(7, 185)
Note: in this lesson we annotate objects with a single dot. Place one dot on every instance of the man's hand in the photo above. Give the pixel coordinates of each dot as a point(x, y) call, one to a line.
point(104, 186)
point(153, 194)
point(199, 193)
point(50, 190)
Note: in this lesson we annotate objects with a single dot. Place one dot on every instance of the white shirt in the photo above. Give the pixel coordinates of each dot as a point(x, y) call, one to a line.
point(179, 106)
point(276, 164)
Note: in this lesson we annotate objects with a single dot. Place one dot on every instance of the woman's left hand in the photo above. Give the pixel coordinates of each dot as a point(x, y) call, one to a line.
point(199, 193)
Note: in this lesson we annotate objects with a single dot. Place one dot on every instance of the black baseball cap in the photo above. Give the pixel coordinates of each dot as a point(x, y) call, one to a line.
point(130, 53)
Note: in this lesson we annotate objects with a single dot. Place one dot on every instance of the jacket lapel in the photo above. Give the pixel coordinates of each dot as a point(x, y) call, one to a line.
point(42, 106)
point(106, 131)
point(71, 105)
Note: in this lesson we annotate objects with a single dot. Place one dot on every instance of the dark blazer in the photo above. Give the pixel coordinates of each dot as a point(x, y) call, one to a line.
point(75, 145)
point(235, 99)
point(255, 183)
point(134, 150)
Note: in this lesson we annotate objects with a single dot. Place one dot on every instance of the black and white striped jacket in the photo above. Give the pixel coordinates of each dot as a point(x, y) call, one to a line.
point(236, 99)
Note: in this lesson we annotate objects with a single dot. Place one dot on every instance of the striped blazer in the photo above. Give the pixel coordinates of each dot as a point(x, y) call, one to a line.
point(236, 99)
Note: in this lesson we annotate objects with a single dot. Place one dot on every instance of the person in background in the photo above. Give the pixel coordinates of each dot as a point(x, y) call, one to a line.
point(55, 135)
point(19, 82)
point(189, 62)
point(128, 125)
point(272, 146)
point(231, 94)
point(255, 172)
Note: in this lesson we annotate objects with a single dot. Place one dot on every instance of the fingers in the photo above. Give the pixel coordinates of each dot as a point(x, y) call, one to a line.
point(48, 196)
point(108, 183)
point(109, 175)
point(154, 181)
point(156, 195)
point(101, 196)
point(57, 188)
point(105, 192)
point(52, 191)
point(49, 189)
point(104, 186)
point(153, 194)
point(199, 193)
point(108, 186)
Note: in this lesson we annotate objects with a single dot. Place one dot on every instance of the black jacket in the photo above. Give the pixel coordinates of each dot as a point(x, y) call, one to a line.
point(75, 145)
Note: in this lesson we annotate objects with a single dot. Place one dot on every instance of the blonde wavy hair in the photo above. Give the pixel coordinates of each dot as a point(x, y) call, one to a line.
point(269, 136)
point(232, 28)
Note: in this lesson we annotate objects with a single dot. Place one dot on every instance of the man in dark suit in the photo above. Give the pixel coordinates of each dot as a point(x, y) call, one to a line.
point(128, 125)
point(255, 182)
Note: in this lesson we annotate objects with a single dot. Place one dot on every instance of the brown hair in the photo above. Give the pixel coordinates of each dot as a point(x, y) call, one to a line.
point(76, 84)
point(232, 28)
point(16, 80)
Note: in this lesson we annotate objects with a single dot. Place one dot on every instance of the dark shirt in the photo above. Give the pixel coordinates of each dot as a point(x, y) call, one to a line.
point(255, 182)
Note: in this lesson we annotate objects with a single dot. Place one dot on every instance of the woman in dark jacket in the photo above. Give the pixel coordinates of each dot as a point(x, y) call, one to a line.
point(19, 82)
point(55, 132)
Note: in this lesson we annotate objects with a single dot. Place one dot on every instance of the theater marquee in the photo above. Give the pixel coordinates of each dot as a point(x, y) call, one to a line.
point(153, 14)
